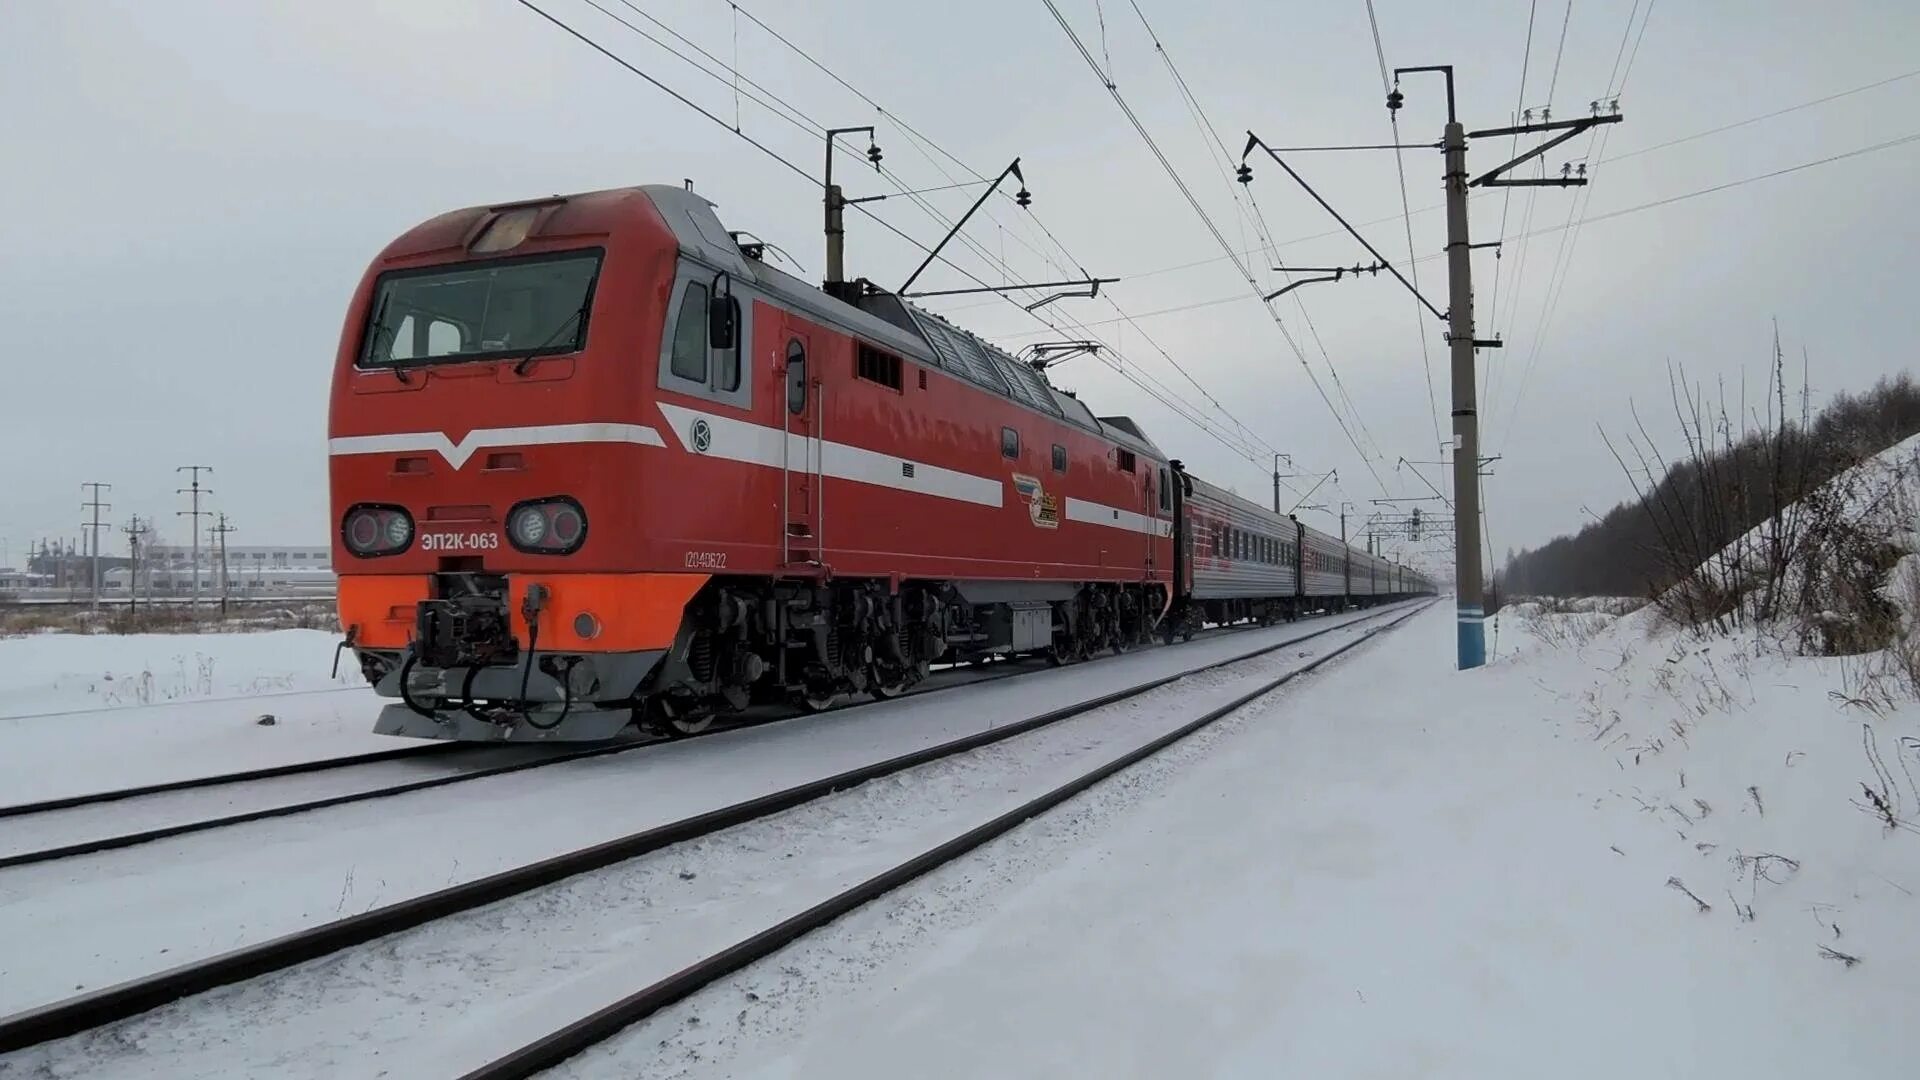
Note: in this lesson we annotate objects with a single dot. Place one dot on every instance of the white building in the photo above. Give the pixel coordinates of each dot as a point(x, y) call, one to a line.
point(261, 570)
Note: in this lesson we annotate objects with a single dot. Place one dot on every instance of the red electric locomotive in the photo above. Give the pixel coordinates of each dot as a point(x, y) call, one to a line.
point(594, 462)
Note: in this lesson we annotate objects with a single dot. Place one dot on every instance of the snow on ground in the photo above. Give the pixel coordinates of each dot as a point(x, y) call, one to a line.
point(1432, 874)
point(450, 996)
point(46, 673)
point(81, 713)
point(46, 757)
point(90, 921)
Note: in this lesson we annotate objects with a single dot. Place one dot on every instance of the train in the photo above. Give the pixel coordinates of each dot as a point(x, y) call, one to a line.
point(598, 466)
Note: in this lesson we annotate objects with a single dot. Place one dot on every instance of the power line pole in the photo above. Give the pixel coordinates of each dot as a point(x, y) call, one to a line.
point(1277, 459)
point(133, 564)
point(221, 530)
point(1469, 587)
point(93, 528)
point(194, 489)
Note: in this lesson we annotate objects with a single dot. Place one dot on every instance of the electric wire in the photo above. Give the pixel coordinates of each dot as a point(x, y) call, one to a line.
point(1189, 412)
point(1212, 228)
point(1406, 216)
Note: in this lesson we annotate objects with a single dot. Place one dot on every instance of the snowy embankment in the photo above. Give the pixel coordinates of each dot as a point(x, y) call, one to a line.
point(81, 713)
point(1395, 869)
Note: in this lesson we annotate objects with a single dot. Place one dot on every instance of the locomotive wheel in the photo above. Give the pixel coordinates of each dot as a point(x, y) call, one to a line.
point(888, 684)
point(680, 727)
point(663, 719)
point(817, 701)
point(1069, 651)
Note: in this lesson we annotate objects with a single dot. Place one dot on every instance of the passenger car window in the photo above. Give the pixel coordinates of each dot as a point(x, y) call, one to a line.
point(690, 336)
point(796, 377)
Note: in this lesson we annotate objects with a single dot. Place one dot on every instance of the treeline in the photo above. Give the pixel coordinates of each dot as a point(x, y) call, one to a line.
point(1722, 486)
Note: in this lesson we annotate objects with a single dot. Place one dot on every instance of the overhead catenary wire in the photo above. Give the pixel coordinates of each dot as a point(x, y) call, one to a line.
point(1212, 228)
point(1513, 150)
point(1185, 413)
point(1526, 220)
point(1210, 135)
point(1582, 202)
point(1611, 214)
point(1406, 217)
point(1162, 394)
point(1137, 275)
point(917, 138)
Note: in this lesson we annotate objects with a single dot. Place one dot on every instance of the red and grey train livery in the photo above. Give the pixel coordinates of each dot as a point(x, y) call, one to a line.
point(594, 464)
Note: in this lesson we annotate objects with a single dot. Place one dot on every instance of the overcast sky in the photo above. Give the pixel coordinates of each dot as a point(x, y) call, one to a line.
point(194, 187)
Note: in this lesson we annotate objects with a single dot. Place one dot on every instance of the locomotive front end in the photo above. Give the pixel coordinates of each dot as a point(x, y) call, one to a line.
point(484, 444)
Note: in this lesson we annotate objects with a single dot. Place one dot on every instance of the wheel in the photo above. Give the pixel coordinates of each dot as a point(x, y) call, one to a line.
point(662, 718)
point(682, 726)
point(819, 701)
point(884, 685)
point(1063, 652)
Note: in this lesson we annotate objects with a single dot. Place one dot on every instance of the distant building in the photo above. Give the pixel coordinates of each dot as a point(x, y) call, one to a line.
point(259, 570)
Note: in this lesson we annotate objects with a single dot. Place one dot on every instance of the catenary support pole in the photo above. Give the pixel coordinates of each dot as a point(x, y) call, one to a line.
point(1466, 422)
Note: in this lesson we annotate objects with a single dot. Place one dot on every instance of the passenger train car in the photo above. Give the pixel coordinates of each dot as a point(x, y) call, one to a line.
point(595, 464)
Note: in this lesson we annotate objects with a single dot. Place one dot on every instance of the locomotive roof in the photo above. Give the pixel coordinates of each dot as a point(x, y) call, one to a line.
point(888, 321)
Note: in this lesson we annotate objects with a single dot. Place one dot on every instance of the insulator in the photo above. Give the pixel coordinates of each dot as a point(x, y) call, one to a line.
point(873, 154)
point(1244, 174)
point(1395, 99)
point(1023, 197)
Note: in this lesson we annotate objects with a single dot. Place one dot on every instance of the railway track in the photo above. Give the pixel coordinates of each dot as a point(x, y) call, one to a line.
point(563, 1043)
point(519, 759)
point(95, 1009)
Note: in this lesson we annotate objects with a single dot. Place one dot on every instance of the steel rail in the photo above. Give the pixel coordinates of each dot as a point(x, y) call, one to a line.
point(84, 1012)
point(112, 843)
point(68, 802)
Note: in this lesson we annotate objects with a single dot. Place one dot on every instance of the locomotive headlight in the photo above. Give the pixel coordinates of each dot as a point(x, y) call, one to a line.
point(528, 526)
point(565, 525)
point(551, 526)
point(371, 529)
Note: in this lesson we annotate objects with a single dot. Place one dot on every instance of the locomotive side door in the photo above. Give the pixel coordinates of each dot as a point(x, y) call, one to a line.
point(800, 455)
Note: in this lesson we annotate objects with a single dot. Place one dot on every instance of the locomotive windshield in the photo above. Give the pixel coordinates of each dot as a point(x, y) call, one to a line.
point(526, 306)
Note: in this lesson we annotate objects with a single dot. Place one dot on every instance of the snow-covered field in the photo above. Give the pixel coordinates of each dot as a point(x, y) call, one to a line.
point(53, 673)
point(1618, 850)
point(91, 712)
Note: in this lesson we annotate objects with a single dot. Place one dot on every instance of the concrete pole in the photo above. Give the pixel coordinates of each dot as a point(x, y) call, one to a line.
point(1466, 425)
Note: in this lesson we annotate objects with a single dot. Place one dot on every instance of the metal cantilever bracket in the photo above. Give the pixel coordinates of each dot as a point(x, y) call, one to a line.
point(1334, 273)
point(1567, 128)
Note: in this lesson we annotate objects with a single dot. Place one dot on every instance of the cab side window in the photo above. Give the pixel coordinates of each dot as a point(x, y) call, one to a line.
point(690, 335)
point(707, 341)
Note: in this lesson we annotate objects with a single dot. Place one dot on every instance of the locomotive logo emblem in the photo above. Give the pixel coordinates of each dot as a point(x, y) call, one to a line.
point(702, 436)
point(1043, 508)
